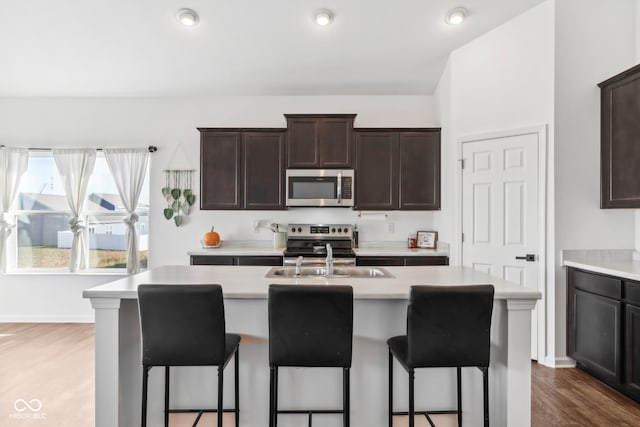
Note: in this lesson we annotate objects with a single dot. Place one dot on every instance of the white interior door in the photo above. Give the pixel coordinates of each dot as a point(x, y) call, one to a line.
point(500, 211)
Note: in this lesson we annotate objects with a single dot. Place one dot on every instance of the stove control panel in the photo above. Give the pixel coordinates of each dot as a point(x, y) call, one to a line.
point(320, 231)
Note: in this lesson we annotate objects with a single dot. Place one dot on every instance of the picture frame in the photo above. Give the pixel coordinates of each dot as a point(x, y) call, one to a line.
point(427, 239)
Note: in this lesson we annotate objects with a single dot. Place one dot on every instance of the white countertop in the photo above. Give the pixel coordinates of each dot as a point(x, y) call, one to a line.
point(264, 247)
point(250, 282)
point(617, 262)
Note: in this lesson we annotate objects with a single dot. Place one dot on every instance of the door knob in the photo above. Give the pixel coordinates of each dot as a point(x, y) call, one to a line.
point(527, 257)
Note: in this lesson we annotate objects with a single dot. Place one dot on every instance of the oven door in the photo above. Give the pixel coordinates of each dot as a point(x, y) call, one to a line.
point(319, 187)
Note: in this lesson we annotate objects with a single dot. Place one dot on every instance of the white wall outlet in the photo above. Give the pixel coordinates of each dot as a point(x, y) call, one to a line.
point(254, 225)
point(390, 227)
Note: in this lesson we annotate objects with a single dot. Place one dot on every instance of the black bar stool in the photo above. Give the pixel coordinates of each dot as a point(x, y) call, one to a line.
point(310, 326)
point(183, 325)
point(447, 326)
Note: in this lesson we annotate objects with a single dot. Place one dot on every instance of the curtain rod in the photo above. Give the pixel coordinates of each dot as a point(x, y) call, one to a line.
point(151, 148)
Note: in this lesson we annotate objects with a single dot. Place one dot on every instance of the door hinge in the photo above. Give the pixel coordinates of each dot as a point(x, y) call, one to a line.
point(461, 163)
point(462, 237)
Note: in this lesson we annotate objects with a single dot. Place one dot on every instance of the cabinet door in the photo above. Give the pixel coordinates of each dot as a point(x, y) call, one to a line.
point(260, 260)
point(376, 170)
point(419, 170)
point(620, 140)
point(426, 260)
point(597, 334)
point(263, 154)
point(220, 170)
point(302, 142)
point(335, 142)
point(632, 349)
point(213, 260)
point(389, 261)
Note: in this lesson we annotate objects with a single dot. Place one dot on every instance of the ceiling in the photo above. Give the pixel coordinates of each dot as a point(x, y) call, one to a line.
point(239, 47)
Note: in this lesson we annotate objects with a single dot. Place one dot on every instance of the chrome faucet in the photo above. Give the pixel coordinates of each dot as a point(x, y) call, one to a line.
point(329, 260)
point(299, 266)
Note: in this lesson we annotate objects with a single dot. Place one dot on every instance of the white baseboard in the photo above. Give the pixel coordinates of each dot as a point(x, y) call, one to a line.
point(46, 319)
point(564, 362)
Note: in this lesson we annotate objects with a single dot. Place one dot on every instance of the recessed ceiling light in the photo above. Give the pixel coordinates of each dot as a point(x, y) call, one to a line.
point(187, 17)
point(323, 17)
point(456, 16)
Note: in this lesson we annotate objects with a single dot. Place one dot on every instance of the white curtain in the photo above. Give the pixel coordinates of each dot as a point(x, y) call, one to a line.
point(75, 167)
point(13, 164)
point(129, 167)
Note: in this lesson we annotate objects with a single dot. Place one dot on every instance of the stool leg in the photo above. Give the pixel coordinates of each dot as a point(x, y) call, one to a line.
point(485, 392)
point(273, 397)
point(166, 396)
point(220, 387)
point(458, 372)
point(145, 380)
point(390, 389)
point(346, 399)
point(237, 379)
point(411, 408)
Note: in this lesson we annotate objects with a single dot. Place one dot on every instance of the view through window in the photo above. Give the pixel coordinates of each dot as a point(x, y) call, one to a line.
point(43, 237)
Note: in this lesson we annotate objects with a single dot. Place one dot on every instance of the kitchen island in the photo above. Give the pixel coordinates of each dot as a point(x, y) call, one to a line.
point(379, 313)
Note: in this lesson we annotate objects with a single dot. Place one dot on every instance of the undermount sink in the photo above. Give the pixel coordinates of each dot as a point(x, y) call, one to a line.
point(321, 272)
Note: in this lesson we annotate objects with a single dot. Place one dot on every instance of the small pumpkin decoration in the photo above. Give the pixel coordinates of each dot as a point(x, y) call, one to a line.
point(211, 238)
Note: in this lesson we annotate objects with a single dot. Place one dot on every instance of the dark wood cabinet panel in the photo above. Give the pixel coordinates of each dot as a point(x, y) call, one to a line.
point(376, 170)
point(400, 261)
point(263, 154)
point(270, 260)
point(426, 260)
point(267, 260)
point(336, 148)
point(632, 350)
point(597, 334)
point(319, 140)
point(620, 140)
point(303, 137)
point(220, 170)
point(419, 170)
point(397, 169)
point(242, 168)
point(212, 260)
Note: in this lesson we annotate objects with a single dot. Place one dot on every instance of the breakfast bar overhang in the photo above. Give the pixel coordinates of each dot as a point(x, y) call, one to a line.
point(379, 312)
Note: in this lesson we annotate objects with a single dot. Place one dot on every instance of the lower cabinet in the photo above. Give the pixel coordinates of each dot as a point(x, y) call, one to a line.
point(603, 328)
point(269, 260)
point(400, 261)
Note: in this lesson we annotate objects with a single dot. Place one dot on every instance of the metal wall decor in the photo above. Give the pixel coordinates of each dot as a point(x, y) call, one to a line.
point(178, 192)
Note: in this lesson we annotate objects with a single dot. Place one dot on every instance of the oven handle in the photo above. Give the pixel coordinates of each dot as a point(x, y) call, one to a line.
point(320, 261)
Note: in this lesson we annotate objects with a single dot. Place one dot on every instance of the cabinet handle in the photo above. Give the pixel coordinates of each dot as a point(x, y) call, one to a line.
point(339, 188)
point(527, 257)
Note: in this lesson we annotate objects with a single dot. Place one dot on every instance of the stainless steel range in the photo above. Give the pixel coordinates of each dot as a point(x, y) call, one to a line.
point(311, 241)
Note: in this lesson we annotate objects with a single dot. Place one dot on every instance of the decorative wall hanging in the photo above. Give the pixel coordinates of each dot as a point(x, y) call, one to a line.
point(178, 193)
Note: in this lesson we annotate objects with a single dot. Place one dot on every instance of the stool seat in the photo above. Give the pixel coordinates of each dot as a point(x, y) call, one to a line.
point(399, 347)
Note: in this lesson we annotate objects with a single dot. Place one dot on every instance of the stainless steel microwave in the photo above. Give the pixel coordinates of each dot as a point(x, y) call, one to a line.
point(320, 187)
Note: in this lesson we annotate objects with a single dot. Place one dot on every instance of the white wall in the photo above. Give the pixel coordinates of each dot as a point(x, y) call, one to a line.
point(170, 124)
point(594, 41)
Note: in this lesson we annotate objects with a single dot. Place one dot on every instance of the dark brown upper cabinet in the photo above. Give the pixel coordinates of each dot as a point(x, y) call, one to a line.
point(320, 140)
point(420, 170)
point(620, 140)
point(376, 170)
point(397, 169)
point(242, 169)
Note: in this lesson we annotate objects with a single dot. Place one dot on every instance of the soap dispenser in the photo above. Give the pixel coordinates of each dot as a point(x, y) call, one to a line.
point(355, 236)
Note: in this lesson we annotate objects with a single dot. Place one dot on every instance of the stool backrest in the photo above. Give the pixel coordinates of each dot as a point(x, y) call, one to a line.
point(449, 325)
point(182, 325)
point(310, 325)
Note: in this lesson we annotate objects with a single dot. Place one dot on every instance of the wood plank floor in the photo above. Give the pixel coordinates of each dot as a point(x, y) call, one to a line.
point(54, 363)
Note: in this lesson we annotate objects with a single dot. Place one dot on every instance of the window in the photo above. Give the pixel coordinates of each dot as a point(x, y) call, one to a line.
point(43, 239)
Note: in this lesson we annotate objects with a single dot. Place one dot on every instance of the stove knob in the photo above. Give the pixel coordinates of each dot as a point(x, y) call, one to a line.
point(339, 230)
point(299, 230)
point(293, 229)
point(333, 230)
